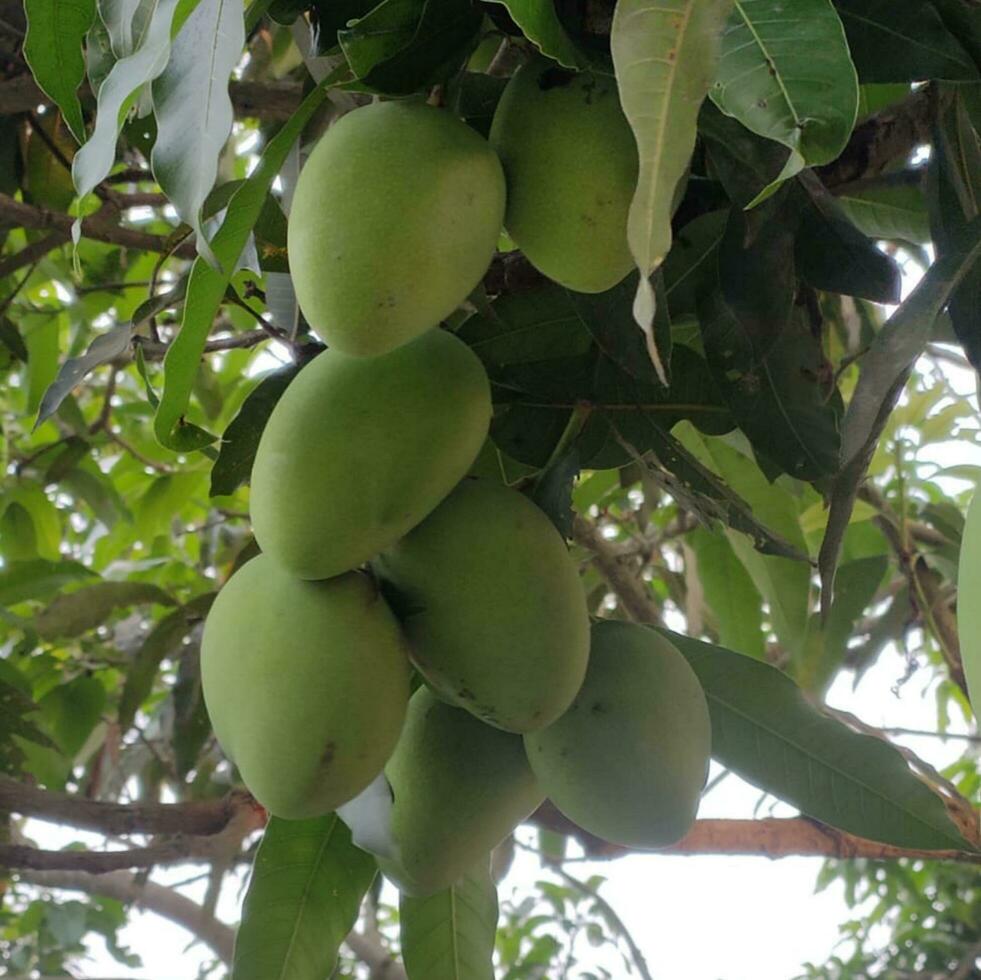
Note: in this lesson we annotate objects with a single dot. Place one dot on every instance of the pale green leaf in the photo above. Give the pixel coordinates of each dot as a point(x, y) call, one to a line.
point(665, 57)
point(450, 935)
point(887, 208)
point(77, 612)
point(969, 606)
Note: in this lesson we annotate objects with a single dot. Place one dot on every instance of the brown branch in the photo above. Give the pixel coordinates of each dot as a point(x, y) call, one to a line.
point(131, 889)
point(201, 818)
point(772, 837)
point(632, 591)
point(249, 338)
point(100, 227)
point(32, 252)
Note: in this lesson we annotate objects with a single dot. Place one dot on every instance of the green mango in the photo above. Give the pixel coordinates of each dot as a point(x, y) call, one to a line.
point(306, 685)
point(628, 761)
point(359, 450)
point(571, 166)
point(459, 788)
point(394, 221)
point(492, 605)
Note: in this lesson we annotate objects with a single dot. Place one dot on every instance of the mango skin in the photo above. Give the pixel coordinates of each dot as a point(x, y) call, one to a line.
point(306, 684)
point(395, 219)
point(628, 761)
point(570, 160)
point(492, 605)
point(359, 450)
point(460, 787)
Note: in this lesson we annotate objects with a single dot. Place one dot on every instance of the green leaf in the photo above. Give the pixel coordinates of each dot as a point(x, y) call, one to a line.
point(70, 712)
point(785, 73)
point(117, 95)
point(83, 610)
point(193, 109)
point(206, 287)
point(729, 593)
point(53, 49)
point(450, 935)
point(22, 580)
point(306, 889)
point(42, 338)
point(765, 731)
point(540, 23)
point(902, 42)
point(969, 609)
point(665, 58)
point(890, 207)
point(16, 707)
point(163, 640)
point(241, 438)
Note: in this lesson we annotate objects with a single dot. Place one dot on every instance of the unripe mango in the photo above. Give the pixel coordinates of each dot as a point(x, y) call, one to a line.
point(359, 450)
point(395, 218)
point(492, 605)
point(571, 165)
point(627, 762)
point(459, 788)
point(306, 685)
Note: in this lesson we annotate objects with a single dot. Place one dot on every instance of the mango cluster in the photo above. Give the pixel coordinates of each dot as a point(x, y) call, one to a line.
point(384, 563)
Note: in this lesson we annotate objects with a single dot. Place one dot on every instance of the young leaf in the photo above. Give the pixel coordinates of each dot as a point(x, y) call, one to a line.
point(785, 73)
point(53, 49)
point(306, 889)
point(540, 23)
point(116, 96)
point(206, 286)
point(193, 109)
point(450, 935)
point(764, 730)
point(665, 57)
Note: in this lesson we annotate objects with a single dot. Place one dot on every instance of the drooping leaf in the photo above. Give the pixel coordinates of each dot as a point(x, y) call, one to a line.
point(16, 711)
point(306, 889)
point(785, 73)
point(968, 608)
point(890, 207)
point(77, 612)
point(665, 57)
point(104, 348)
point(207, 286)
point(192, 726)
point(540, 23)
point(53, 49)
point(764, 730)
point(450, 935)
point(118, 94)
point(162, 641)
point(70, 711)
point(42, 338)
point(241, 438)
point(21, 580)
point(193, 109)
point(902, 42)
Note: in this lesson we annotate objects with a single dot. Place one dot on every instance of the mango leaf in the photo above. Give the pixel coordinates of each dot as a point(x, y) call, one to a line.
point(963, 20)
point(902, 42)
point(192, 726)
point(53, 49)
point(665, 58)
point(104, 348)
point(540, 23)
point(969, 609)
point(117, 94)
point(306, 889)
point(207, 286)
point(22, 580)
point(162, 641)
point(77, 612)
point(450, 935)
point(16, 709)
point(70, 711)
point(785, 73)
point(193, 109)
point(765, 731)
point(241, 438)
point(891, 206)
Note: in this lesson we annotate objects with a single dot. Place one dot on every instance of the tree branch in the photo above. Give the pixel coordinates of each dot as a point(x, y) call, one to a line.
point(100, 227)
point(131, 889)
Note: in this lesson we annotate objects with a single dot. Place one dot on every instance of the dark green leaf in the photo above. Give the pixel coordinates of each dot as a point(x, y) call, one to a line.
point(78, 612)
point(450, 935)
point(306, 889)
point(36, 579)
point(16, 707)
point(192, 726)
point(540, 23)
point(764, 730)
point(241, 438)
point(891, 206)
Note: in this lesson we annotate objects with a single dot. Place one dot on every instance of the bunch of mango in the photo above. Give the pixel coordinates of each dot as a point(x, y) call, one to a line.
point(383, 561)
